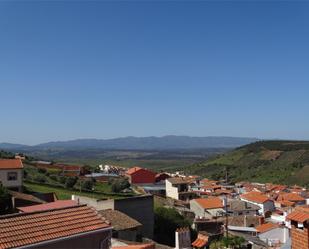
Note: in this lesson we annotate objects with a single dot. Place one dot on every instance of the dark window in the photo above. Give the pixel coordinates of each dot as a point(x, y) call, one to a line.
point(12, 176)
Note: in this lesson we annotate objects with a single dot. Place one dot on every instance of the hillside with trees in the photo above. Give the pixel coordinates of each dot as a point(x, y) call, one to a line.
point(284, 162)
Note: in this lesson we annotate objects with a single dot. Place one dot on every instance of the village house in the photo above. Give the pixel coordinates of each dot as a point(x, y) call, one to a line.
point(11, 173)
point(137, 175)
point(178, 188)
point(207, 207)
point(124, 227)
point(139, 208)
point(72, 227)
point(273, 234)
point(291, 199)
point(298, 221)
point(266, 205)
point(239, 207)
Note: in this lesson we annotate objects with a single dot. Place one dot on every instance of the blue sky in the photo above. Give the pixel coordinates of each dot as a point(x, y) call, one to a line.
point(103, 69)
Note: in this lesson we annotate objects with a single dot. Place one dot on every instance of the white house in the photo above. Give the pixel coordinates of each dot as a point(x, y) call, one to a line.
point(11, 173)
point(266, 205)
point(179, 188)
point(207, 207)
point(272, 234)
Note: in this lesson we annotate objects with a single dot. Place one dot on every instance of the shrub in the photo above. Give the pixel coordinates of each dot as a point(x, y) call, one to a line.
point(62, 179)
point(167, 220)
point(119, 185)
point(40, 178)
point(70, 182)
point(88, 184)
point(54, 177)
point(42, 170)
point(5, 200)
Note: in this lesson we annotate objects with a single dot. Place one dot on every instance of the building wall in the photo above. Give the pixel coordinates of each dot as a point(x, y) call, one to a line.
point(142, 177)
point(300, 238)
point(197, 209)
point(99, 240)
point(97, 204)
point(141, 209)
point(11, 184)
point(280, 234)
point(130, 234)
point(171, 191)
point(266, 206)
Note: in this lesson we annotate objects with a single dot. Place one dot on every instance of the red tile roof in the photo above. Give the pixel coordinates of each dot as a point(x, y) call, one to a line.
point(298, 216)
point(290, 197)
point(200, 241)
point(48, 206)
point(265, 227)
point(137, 246)
point(133, 170)
point(210, 203)
point(11, 164)
point(255, 197)
point(30, 228)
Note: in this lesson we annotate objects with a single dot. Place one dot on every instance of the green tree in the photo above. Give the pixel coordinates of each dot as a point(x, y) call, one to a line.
point(70, 182)
point(88, 184)
point(167, 220)
point(119, 185)
point(5, 200)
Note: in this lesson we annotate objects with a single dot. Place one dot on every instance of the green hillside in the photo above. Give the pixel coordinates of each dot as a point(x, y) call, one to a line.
point(265, 161)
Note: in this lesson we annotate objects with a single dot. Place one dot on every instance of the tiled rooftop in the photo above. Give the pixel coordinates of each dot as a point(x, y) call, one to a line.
point(47, 206)
point(255, 197)
point(210, 203)
point(11, 164)
point(29, 228)
point(265, 227)
point(119, 220)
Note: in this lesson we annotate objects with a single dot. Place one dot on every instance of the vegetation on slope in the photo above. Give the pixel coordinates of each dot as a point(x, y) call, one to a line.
point(265, 161)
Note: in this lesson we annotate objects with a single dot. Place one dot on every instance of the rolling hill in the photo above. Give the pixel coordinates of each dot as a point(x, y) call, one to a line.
point(140, 143)
point(284, 162)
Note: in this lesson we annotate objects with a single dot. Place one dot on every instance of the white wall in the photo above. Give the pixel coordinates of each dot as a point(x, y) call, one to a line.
point(11, 184)
point(171, 191)
point(266, 206)
point(281, 234)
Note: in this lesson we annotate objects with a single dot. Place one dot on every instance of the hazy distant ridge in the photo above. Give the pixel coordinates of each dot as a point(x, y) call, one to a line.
point(143, 143)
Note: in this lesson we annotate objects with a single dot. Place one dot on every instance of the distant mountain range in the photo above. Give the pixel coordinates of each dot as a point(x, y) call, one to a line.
point(140, 143)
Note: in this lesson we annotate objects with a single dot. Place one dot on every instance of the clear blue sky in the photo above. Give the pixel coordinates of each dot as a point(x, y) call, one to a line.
point(105, 69)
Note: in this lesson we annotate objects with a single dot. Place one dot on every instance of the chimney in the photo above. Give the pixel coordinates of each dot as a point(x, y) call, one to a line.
point(182, 238)
point(261, 220)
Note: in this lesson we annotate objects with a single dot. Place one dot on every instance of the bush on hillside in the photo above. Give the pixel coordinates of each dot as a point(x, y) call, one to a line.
point(40, 179)
point(120, 184)
point(70, 182)
point(88, 184)
point(167, 220)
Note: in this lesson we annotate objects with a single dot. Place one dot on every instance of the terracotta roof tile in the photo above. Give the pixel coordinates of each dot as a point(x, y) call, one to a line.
point(200, 241)
point(47, 206)
point(209, 203)
point(265, 227)
point(119, 220)
point(29, 228)
point(298, 216)
point(290, 197)
point(255, 197)
point(11, 164)
point(137, 246)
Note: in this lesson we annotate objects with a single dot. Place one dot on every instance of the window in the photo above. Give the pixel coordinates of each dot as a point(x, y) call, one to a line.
point(12, 176)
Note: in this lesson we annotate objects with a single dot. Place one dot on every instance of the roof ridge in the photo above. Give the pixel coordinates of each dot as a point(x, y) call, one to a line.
point(6, 216)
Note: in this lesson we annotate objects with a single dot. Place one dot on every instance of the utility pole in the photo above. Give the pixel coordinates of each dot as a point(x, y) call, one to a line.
point(226, 218)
